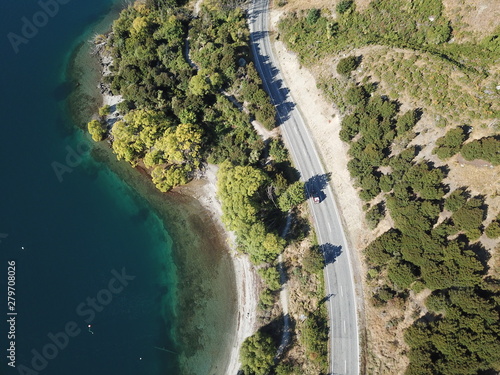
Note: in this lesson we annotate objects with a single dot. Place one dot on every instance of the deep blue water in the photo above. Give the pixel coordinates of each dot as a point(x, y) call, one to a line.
point(75, 230)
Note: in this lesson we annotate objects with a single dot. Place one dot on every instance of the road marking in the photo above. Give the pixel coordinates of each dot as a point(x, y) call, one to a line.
point(296, 130)
point(329, 227)
point(345, 365)
point(341, 291)
point(344, 326)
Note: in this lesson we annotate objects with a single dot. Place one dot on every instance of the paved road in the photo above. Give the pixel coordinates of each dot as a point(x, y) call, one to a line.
point(344, 338)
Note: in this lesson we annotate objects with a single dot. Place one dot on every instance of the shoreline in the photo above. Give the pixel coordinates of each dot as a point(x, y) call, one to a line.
point(247, 281)
point(204, 191)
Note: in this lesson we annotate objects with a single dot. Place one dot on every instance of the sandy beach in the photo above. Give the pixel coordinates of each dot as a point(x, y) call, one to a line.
point(247, 280)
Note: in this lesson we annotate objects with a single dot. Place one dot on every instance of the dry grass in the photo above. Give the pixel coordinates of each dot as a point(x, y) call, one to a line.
point(472, 19)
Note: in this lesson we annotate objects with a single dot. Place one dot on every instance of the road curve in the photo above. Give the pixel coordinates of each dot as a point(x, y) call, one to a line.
point(344, 332)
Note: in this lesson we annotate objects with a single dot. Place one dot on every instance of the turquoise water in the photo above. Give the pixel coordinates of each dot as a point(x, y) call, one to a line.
point(81, 227)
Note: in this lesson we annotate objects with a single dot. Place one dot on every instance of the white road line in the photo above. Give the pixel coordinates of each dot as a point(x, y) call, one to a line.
point(341, 291)
point(344, 326)
point(329, 227)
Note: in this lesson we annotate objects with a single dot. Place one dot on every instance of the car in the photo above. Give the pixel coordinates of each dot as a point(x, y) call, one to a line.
point(316, 199)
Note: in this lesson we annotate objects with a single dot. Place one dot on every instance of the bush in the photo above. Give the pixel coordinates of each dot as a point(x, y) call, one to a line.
point(347, 65)
point(374, 215)
point(313, 16)
point(343, 6)
point(493, 230)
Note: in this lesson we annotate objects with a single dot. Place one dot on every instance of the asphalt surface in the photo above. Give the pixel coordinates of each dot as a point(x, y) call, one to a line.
point(341, 299)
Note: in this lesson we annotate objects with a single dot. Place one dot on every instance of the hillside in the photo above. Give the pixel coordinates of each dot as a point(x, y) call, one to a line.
point(415, 99)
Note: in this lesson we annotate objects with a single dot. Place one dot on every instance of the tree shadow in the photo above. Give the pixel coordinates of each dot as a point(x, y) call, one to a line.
point(482, 254)
point(268, 73)
point(330, 252)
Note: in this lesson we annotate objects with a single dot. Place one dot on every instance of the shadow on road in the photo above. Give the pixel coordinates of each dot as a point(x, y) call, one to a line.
point(330, 252)
point(268, 73)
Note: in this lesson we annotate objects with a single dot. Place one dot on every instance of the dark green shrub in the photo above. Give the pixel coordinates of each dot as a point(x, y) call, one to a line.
point(493, 230)
point(346, 65)
point(313, 16)
point(343, 6)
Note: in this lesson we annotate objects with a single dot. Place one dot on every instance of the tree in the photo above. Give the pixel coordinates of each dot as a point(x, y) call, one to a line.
point(346, 65)
point(257, 354)
point(356, 95)
point(455, 200)
point(374, 215)
point(167, 178)
point(493, 230)
point(401, 274)
point(313, 261)
point(105, 110)
point(450, 143)
point(271, 277)
point(484, 148)
point(468, 218)
point(96, 130)
point(199, 84)
point(292, 196)
point(406, 122)
point(278, 151)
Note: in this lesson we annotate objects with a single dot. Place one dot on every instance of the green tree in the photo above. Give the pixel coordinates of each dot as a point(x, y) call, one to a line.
point(278, 151)
point(455, 200)
point(271, 277)
point(105, 110)
point(292, 196)
point(406, 122)
point(257, 354)
point(401, 274)
point(97, 130)
point(493, 229)
point(449, 144)
point(313, 261)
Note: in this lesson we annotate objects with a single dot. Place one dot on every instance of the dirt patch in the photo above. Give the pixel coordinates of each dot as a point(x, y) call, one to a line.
point(472, 19)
